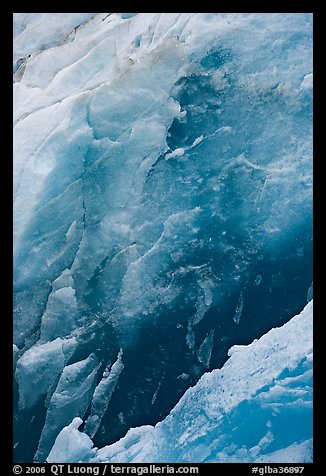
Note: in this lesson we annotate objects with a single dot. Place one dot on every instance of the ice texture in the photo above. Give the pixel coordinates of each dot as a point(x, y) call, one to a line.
point(70, 399)
point(162, 206)
point(265, 387)
point(39, 367)
point(71, 442)
point(102, 395)
point(34, 32)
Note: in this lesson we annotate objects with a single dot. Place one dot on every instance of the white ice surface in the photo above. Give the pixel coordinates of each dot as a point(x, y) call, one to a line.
point(72, 442)
point(39, 368)
point(34, 32)
point(69, 400)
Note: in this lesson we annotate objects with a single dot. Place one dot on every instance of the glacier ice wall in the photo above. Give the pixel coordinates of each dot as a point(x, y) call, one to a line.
point(35, 32)
point(162, 203)
point(239, 413)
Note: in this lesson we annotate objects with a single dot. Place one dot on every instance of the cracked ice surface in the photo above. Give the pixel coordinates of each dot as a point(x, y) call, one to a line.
point(264, 386)
point(162, 204)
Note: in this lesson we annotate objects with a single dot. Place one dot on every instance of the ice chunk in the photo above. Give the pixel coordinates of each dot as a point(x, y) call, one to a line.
point(238, 309)
point(190, 337)
point(204, 299)
point(176, 153)
point(39, 368)
point(61, 314)
point(203, 303)
point(70, 399)
point(205, 349)
point(71, 442)
point(307, 82)
point(310, 292)
point(154, 397)
point(179, 152)
point(102, 395)
point(198, 140)
point(183, 376)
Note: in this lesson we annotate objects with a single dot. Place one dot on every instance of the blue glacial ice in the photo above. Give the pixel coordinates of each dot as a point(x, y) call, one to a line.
point(102, 395)
point(162, 215)
point(71, 397)
point(242, 412)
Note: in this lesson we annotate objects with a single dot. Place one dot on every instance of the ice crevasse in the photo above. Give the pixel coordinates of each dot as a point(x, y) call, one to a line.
point(162, 215)
point(238, 413)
